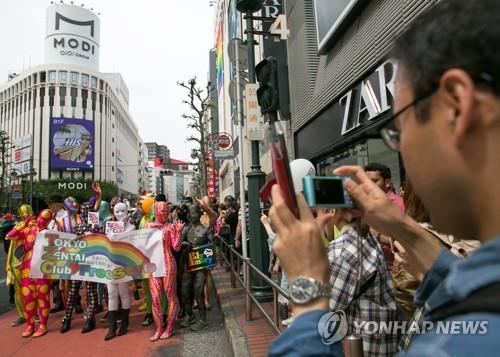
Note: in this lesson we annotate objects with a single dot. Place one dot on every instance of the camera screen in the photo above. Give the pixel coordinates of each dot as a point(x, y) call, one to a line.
point(328, 191)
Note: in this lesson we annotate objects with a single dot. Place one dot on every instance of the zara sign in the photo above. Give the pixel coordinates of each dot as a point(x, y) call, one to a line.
point(368, 106)
point(72, 36)
point(351, 115)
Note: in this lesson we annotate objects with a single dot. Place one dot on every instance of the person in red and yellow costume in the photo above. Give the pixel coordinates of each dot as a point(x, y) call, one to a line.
point(13, 266)
point(35, 292)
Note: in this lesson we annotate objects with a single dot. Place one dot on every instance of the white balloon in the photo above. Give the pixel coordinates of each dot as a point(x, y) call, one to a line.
point(300, 168)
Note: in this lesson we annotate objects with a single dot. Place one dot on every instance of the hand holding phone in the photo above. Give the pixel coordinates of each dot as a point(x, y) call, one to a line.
point(281, 167)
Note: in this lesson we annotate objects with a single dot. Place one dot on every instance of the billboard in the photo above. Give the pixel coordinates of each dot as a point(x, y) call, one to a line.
point(71, 144)
point(72, 36)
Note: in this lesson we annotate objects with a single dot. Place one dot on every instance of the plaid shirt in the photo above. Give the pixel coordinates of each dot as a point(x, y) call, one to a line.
point(370, 300)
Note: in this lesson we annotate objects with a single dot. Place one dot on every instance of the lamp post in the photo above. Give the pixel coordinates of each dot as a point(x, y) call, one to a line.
point(13, 174)
point(258, 249)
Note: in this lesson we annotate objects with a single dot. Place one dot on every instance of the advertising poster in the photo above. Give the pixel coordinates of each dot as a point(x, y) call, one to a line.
point(71, 144)
point(94, 257)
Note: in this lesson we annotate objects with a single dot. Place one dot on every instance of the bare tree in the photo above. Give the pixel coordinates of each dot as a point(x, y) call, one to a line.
point(199, 103)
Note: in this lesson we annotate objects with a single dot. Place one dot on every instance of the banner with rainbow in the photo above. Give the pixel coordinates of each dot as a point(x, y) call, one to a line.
point(95, 257)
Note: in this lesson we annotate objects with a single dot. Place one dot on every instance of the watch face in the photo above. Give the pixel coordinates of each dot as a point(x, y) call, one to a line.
point(303, 290)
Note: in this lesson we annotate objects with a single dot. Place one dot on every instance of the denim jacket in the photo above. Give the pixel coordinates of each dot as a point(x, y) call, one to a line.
point(449, 280)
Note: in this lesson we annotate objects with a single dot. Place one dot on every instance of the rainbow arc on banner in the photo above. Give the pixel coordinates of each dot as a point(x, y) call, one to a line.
point(120, 253)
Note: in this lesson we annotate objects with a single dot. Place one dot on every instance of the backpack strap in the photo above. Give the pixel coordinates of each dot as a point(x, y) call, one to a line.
point(482, 300)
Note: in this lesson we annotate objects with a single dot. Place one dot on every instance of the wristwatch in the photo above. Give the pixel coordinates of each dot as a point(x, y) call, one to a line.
point(304, 290)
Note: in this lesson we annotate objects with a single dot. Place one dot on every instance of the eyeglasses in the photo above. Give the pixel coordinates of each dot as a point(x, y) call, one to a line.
point(388, 131)
point(391, 135)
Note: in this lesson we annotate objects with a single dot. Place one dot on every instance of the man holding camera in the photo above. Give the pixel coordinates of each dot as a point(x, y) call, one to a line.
point(447, 127)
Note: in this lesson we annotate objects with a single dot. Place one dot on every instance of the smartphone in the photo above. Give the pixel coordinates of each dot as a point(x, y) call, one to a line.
point(281, 166)
point(326, 192)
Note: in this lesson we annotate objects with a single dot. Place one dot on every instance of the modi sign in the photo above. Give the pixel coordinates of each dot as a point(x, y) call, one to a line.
point(94, 257)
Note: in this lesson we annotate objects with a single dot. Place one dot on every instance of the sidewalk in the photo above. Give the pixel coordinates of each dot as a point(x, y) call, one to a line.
point(247, 338)
point(209, 342)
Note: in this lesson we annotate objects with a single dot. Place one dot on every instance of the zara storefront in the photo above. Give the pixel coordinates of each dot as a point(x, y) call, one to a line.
point(74, 117)
point(341, 82)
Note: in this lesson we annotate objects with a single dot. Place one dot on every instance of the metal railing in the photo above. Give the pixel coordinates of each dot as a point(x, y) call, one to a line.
point(235, 257)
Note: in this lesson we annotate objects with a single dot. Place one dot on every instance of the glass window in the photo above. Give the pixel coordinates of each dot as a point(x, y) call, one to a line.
point(42, 76)
point(52, 76)
point(73, 93)
point(62, 96)
point(63, 76)
point(101, 84)
point(331, 18)
point(34, 78)
point(74, 77)
point(85, 80)
point(94, 82)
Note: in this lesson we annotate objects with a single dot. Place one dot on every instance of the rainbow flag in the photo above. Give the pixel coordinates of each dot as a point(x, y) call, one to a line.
point(220, 58)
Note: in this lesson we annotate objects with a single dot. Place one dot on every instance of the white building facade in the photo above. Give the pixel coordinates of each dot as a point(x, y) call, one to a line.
point(78, 117)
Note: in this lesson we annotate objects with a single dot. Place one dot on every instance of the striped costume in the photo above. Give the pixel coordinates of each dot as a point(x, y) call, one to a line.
point(168, 284)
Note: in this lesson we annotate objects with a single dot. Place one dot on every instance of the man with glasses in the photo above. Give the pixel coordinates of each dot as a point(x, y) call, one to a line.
point(447, 127)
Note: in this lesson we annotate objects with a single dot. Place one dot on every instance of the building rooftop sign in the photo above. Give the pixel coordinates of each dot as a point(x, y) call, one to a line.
point(72, 36)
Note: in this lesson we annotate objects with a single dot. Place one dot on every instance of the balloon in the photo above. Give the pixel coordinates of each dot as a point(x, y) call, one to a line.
point(300, 168)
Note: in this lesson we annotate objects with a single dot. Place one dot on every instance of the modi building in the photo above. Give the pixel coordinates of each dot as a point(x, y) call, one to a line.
point(341, 79)
point(67, 119)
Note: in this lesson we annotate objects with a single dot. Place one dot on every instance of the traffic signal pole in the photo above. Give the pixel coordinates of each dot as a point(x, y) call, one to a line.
point(258, 247)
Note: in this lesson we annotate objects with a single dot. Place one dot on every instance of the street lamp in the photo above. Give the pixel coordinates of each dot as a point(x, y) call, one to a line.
point(13, 175)
point(259, 253)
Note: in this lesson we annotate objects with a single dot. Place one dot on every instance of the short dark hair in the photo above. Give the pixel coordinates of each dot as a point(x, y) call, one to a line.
point(384, 171)
point(183, 213)
point(451, 34)
point(160, 198)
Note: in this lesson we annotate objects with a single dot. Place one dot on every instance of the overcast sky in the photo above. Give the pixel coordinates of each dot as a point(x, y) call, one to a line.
point(152, 43)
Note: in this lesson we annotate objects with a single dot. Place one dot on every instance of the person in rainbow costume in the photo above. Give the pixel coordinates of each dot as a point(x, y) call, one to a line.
point(119, 291)
point(167, 285)
point(13, 266)
point(35, 292)
point(75, 224)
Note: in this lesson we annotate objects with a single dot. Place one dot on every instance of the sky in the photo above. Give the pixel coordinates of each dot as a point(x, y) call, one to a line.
point(152, 43)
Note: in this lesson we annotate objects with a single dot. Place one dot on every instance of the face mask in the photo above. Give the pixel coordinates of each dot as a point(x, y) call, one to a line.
point(25, 211)
point(44, 219)
point(161, 212)
point(120, 211)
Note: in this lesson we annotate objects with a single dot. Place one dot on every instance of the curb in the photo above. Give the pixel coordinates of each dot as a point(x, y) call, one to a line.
point(234, 332)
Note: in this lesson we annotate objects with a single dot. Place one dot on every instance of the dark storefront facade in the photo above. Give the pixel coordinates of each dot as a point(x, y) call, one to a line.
point(341, 83)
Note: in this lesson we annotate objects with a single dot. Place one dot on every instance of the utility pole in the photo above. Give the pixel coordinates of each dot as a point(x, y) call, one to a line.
point(258, 249)
point(239, 112)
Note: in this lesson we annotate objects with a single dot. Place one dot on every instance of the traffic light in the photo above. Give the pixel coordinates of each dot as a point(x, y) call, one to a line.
point(268, 92)
point(249, 5)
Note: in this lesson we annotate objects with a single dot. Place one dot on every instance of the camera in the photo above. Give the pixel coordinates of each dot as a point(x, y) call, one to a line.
point(326, 192)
